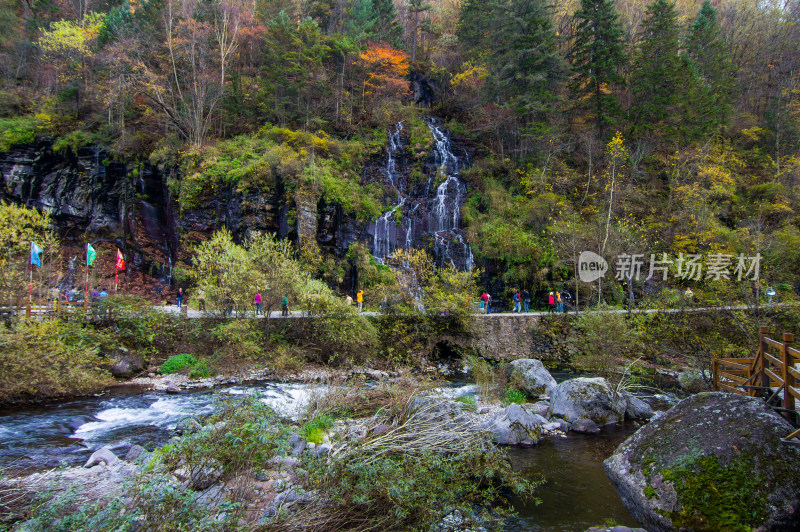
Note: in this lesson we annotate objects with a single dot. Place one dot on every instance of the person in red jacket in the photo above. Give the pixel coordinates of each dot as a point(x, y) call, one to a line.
point(551, 302)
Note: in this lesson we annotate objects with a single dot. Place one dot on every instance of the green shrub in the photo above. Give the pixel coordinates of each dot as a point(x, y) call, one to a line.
point(17, 130)
point(50, 359)
point(201, 370)
point(467, 399)
point(314, 430)
point(406, 491)
point(177, 363)
point(514, 396)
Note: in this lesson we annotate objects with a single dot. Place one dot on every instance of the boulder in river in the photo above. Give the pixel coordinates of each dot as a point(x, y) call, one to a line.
point(713, 462)
point(515, 426)
point(585, 426)
point(587, 398)
point(532, 377)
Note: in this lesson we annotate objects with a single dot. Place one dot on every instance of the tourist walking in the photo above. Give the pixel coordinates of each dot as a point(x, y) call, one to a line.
point(526, 300)
point(180, 297)
point(360, 299)
point(257, 301)
point(285, 306)
point(348, 300)
point(517, 302)
point(559, 303)
point(551, 302)
point(770, 293)
point(484, 302)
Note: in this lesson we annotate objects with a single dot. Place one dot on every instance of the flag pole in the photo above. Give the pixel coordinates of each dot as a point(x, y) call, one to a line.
point(116, 279)
point(30, 285)
point(86, 291)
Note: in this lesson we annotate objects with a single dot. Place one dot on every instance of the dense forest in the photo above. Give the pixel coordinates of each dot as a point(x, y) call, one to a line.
point(620, 127)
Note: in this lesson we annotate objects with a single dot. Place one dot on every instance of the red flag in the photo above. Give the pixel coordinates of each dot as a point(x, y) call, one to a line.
point(120, 261)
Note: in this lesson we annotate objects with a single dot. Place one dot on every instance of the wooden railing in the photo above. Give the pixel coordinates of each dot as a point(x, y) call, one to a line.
point(772, 374)
point(39, 310)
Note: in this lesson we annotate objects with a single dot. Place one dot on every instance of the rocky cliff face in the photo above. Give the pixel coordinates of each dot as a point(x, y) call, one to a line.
point(127, 205)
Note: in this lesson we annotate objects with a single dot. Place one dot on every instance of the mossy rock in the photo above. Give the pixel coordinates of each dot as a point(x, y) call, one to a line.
point(713, 462)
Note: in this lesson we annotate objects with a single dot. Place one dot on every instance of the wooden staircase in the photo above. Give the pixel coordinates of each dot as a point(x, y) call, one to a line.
point(772, 374)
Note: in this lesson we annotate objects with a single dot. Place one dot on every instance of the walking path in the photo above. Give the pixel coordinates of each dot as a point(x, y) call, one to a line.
point(276, 314)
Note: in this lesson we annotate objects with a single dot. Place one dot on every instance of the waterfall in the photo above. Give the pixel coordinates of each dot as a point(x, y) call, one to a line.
point(449, 243)
point(425, 212)
point(386, 227)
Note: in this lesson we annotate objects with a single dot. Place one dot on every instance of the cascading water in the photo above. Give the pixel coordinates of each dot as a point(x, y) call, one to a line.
point(386, 227)
point(445, 213)
point(425, 213)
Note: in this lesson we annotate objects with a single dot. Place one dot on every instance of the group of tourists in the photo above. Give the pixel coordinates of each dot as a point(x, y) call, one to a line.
point(521, 301)
point(554, 302)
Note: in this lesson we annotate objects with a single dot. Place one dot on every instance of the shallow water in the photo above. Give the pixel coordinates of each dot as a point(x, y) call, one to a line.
point(69, 432)
point(577, 493)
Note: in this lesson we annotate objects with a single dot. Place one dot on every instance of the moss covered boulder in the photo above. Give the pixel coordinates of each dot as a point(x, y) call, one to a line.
point(713, 462)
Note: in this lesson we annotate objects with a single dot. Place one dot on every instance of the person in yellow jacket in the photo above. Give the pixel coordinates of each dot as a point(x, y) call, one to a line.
point(360, 299)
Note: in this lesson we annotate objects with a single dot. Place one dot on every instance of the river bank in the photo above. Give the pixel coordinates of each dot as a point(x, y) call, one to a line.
point(147, 421)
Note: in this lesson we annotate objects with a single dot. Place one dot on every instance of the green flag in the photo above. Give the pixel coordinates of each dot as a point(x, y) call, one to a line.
point(91, 254)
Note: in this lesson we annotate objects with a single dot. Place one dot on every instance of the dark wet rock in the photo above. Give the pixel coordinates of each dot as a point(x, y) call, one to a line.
point(296, 444)
point(515, 426)
point(135, 453)
point(587, 398)
point(637, 408)
point(713, 462)
point(532, 376)
point(102, 456)
point(584, 426)
point(172, 388)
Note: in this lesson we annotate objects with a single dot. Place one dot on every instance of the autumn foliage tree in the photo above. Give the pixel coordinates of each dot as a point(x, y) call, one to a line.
point(384, 70)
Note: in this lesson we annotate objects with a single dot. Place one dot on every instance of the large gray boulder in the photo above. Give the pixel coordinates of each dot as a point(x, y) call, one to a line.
point(587, 398)
point(532, 376)
point(515, 426)
point(713, 462)
point(124, 363)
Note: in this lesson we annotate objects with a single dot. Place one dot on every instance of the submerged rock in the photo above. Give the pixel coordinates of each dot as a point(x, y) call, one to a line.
point(713, 462)
point(532, 376)
point(585, 426)
point(587, 398)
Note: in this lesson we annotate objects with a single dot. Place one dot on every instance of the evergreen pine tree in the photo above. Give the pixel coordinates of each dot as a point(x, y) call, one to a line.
point(660, 74)
point(387, 27)
point(474, 25)
point(716, 75)
point(596, 58)
point(527, 67)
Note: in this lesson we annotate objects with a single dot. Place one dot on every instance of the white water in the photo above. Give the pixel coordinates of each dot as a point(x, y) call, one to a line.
point(386, 226)
point(440, 215)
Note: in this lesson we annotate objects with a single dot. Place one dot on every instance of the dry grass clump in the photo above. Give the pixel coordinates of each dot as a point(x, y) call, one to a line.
point(353, 400)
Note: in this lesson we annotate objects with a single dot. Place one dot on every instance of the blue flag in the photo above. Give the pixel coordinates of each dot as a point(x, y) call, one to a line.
point(35, 251)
